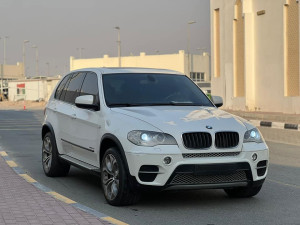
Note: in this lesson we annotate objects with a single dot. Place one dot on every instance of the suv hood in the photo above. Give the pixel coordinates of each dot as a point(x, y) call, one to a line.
point(180, 119)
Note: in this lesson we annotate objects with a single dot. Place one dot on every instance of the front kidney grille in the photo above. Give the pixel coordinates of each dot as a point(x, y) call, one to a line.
point(226, 139)
point(197, 140)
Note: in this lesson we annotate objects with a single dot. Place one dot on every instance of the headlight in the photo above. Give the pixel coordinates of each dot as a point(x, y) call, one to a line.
point(150, 138)
point(253, 135)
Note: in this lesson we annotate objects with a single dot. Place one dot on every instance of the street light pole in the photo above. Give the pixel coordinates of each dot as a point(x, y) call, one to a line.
point(119, 45)
point(37, 68)
point(36, 60)
point(24, 66)
point(188, 45)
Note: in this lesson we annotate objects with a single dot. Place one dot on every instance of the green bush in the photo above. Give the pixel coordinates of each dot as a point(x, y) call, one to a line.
point(209, 96)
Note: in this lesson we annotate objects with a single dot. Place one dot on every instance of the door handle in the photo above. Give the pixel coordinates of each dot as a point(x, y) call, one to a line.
point(73, 116)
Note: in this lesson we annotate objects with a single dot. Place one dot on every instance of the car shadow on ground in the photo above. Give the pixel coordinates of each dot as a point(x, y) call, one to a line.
point(160, 199)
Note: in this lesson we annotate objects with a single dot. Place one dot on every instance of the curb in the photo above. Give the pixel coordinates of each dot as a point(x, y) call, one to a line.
point(56, 195)
point(277, 125)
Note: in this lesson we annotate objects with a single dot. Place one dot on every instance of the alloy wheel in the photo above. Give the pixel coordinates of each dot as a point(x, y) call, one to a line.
point(47, 153)
point(110, 177)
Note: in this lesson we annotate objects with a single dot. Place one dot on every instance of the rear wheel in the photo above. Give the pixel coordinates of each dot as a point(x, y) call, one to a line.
point(52, 165)
point(115, 180)
point(243, 192)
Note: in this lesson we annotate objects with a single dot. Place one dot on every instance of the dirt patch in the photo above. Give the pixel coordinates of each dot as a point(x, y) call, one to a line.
point(21, 105)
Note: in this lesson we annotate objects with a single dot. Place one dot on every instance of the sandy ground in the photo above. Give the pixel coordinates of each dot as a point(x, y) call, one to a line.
point(8, 105)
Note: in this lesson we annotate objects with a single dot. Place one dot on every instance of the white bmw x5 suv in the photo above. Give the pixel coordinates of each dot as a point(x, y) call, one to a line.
point(148, 128)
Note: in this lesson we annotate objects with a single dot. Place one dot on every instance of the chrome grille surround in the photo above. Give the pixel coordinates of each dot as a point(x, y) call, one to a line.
point(212, 154)
point(191, 179)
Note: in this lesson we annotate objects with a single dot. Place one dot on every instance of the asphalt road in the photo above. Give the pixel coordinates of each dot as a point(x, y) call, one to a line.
point(277, 203)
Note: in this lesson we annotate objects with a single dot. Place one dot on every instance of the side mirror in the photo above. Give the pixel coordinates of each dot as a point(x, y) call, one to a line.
point(217, 100)
point(86, 102)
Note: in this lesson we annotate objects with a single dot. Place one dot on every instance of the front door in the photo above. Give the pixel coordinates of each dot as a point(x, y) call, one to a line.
point(86, 136)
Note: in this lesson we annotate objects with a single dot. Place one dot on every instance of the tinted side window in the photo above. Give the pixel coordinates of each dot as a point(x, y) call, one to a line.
point(63, 93)
point(61, 87)
point(74, 87)
point(90, 86)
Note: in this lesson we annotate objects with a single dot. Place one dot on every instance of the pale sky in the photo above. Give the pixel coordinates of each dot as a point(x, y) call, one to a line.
point(58, 27)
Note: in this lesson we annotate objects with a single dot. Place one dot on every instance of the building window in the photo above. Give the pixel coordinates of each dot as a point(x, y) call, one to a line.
point(239, 50)
point(217, 42)
point(291, 48)
point(197, 76)
point(21, 89)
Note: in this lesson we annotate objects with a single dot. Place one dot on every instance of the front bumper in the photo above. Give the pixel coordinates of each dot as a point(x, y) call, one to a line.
point(213, 171)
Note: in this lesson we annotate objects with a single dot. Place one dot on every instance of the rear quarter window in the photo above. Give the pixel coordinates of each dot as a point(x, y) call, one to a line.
point(73, 89)
point(61, 86)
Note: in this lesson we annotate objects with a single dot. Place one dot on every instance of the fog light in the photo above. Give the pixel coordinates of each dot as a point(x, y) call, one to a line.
point(167, 160)
point(254, 157)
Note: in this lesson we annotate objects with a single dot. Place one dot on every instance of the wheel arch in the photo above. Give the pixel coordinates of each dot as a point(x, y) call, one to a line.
point(109, 140)
point(47, 127)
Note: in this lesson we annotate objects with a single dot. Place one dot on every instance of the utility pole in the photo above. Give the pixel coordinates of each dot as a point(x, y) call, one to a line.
point(24, 49)
point(188, 45)
point(119, 45)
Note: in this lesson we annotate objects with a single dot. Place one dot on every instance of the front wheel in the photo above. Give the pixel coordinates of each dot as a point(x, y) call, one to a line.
point(243, 192)
point(115, 180)
point(52, 165)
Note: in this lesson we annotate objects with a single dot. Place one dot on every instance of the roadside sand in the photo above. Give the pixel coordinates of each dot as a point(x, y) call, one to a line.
point(8, 105)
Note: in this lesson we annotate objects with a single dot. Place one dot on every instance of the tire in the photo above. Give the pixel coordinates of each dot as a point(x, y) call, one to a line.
point(115, 180)
point(243, 192)
point(52, 165)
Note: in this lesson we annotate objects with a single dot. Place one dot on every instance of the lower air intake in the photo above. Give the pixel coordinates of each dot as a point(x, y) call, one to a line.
point(190, 179)
point(213, 154)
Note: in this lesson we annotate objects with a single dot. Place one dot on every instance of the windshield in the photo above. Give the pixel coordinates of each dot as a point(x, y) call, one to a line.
point(146, 89)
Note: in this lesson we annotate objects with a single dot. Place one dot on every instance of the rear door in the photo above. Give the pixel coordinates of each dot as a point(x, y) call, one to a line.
point(66, 112)
point(86, 139)
point(52, 110)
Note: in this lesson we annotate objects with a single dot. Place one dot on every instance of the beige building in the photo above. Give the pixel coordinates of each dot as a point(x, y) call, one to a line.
point(10, 72)
point(255, 54)
point(199, 69)
point(31, 89)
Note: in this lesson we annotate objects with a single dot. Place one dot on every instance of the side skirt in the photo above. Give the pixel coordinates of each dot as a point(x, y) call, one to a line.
point(80, 164)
